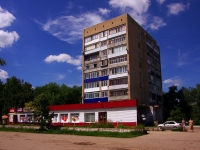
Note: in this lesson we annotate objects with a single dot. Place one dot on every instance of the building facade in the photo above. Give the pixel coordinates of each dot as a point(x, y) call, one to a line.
point(117, 112)
point(121, 61)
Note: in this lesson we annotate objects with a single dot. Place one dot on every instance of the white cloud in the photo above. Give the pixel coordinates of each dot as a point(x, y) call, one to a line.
point(64, 58)
point(176, 8)
point(104, 11)
point(160, 1)
point(157, 23)
point(136, 8)
point(173, 81)
point(69, 28)
point(7, 38)
point(79, 68)
point(3, 74)
point(60, 76)
point(6, 18)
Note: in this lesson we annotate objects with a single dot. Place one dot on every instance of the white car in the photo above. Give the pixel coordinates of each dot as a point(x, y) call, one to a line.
point(169, 125)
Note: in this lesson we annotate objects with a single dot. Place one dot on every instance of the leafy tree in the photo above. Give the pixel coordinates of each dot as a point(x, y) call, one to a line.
point(2, 62)
point(60, 94)
point(176, 114)
point(16, 93)
point(170, 101)
point(41, 111)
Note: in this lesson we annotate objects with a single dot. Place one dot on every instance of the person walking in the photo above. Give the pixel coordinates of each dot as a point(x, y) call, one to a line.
point(191, 125)
point(183, 124)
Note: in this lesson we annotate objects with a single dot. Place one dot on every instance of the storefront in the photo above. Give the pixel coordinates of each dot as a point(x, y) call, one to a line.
point(116, 112)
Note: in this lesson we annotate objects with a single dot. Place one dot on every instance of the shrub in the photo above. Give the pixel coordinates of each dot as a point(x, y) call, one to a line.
point(121, 126)
point(140, 126)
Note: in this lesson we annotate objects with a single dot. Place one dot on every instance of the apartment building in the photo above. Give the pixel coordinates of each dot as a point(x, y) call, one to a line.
point(121, 61)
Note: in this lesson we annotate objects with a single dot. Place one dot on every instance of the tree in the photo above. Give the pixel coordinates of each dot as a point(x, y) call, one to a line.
point(41, 111)
point(16, 93)
point(176, 114)
point(2, 62)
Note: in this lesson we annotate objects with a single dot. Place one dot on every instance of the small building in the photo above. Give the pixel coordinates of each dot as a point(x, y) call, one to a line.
point(116, 112)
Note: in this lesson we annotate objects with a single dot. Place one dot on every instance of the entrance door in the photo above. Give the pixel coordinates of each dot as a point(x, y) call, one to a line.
point(15, 121)
point(102, 116)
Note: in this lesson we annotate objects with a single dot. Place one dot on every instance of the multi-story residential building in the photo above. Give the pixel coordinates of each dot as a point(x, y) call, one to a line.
point(121, 61)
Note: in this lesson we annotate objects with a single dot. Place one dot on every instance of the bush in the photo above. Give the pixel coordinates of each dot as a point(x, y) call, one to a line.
point(140, 126)
point(121, 126)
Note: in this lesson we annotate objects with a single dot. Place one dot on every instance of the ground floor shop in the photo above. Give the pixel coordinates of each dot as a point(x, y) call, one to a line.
point(116, 112)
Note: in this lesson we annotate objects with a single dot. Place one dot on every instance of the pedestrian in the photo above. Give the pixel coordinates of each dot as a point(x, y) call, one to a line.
point(183, 124)
point(191, 125)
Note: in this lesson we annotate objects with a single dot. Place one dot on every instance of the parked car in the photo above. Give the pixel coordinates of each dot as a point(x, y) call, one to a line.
point(168, 125)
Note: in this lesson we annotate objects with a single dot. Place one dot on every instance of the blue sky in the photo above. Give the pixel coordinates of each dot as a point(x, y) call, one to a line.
point(41, 40)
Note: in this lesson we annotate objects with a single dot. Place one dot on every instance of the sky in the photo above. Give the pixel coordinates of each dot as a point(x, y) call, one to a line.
point(41, 40)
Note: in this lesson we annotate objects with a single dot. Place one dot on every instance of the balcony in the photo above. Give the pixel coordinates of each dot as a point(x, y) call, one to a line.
point(92, 51)
point(91, 42)
point(91, 90)
point(117, 34)
point(104, 88)
point(121, 86)
point(117, 44)
point(117, 54)
point(88, 61)
point(118, 75)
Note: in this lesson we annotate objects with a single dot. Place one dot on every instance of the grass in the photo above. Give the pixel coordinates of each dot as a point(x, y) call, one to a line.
point(74, 132)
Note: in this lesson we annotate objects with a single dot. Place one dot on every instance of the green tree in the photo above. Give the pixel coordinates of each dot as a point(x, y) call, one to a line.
point(16, 93)
point(2, 62)
point(41, 111)
point(176, 114)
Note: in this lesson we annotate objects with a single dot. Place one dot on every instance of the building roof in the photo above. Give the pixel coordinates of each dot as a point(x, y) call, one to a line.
point(100, 105)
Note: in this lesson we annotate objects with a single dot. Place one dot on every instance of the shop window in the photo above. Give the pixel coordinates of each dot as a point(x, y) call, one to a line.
point(89, 117)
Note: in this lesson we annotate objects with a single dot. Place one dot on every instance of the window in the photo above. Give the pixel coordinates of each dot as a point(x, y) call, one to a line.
point(89, 117)
point(104, 94)
point(141, 95)
point(119, 81)
point(87, 67)
point(117, 49)
point(95, 65)
point(95, 36)
point(91, 75)
point(117, 39)
point(104, 53)
point(119, 92)
point(91, 47)
point(118, 59)
point(91, 85)
point(117, 29)
point(140, 74)
point(75, 117)
point(139, 45)
point(141, 84)
point(103, 43)
point(140, 64)
point(118, 70)
point(104, 83)
point(91, 95)
point(64, 118)
point(138, 36)
point(104, 73)
point(90, 38)
point(104, 62)
point(104, 34)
